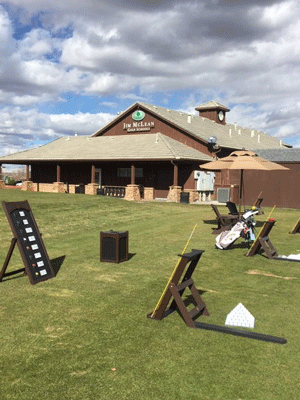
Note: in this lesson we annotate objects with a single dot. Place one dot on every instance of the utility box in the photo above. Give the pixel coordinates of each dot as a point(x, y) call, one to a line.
point(205, 181)
point(113, 246)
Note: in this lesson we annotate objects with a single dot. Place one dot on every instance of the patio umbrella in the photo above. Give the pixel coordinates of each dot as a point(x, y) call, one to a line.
point(241, 160)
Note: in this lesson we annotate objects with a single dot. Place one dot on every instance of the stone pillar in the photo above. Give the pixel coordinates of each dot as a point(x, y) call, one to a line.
point(58, 187)
point(132, 193)
point(174, 194)
point(27, 186)
point(91, 188)
point(148, 193)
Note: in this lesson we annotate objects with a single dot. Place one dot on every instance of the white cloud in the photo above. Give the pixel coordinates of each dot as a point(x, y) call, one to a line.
point(242, 53)
point(20, 128)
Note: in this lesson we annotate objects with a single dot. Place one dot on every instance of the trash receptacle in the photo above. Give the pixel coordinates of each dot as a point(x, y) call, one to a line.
point(100, 192)
point(184, 197)
point(80, 189)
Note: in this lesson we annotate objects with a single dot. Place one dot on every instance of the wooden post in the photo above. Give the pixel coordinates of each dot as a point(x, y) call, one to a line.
point(93, 173)
point(132, 174)
point(175, 179)
point(27, 172)
point(58, 173)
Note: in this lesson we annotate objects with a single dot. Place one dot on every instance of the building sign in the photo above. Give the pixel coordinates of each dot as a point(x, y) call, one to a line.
point(138, 125)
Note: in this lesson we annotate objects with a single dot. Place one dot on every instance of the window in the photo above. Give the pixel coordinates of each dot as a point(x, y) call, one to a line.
point(126, 172)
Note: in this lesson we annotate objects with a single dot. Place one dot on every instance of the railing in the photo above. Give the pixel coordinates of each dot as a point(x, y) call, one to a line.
point(113, 191)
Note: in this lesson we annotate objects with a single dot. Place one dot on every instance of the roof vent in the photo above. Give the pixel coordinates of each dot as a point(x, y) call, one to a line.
point(252, 133)
point(68, 138)
point(189, 119)
point(230, 133)
point(239, 132)
point(258, 138)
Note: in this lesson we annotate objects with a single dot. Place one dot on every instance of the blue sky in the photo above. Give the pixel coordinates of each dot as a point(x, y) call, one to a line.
point(70, 67)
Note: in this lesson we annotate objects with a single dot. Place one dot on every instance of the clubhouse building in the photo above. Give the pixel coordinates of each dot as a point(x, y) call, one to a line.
point(150, 152)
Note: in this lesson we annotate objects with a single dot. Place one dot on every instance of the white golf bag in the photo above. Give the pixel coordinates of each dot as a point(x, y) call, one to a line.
point(243, 228)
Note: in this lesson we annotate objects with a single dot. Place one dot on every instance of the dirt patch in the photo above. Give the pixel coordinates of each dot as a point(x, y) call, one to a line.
point(269, 274)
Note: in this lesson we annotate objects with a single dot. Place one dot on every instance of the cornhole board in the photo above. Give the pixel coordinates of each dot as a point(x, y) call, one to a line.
point(29, 240)
point(296, 228)
point(263, 242)
point(175, 289)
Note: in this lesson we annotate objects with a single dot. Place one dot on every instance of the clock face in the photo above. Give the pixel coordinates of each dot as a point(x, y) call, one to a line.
point(221, 115)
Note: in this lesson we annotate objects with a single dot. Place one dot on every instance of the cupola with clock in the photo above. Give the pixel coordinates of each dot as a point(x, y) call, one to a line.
point(214, 111)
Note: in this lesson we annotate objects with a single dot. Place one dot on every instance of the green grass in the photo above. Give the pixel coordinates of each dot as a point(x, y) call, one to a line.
point(85, 334)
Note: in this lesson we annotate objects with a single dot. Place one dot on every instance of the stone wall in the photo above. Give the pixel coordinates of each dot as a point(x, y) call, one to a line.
point(58, 187)
point(193, 195)
point(27, 186)
point(148, 194)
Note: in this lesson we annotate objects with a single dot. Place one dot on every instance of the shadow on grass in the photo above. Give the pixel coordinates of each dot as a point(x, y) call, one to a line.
point(56, 264)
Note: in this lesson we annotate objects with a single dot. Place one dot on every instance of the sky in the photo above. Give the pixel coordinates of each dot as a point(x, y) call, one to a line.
point(70, 66)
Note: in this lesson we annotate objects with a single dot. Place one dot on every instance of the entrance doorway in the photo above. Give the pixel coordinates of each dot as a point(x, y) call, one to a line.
point(98, 177)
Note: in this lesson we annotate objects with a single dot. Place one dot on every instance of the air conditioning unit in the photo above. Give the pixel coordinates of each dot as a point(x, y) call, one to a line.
point(223, 195)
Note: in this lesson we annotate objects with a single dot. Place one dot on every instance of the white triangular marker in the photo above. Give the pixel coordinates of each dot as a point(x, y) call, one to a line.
point(240, 316)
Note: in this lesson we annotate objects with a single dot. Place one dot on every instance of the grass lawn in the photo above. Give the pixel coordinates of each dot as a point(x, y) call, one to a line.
point(84, 334)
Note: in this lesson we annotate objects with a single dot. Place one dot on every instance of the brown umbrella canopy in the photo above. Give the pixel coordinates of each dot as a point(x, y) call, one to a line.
point(242, 160)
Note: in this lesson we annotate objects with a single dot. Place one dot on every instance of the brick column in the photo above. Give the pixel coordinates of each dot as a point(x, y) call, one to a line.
point(132, 193)
point(132, 182)
point(174, 194)
point(58, 173)
point(93, 173)
point(2, 183)
point(27, 174)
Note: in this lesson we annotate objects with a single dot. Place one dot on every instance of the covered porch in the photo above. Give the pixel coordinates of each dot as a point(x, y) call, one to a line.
point(136, 167)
